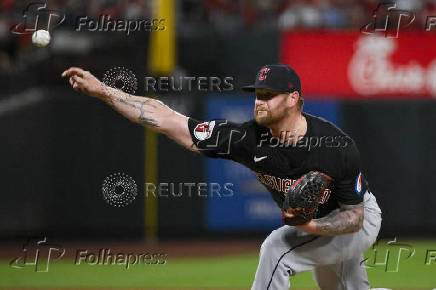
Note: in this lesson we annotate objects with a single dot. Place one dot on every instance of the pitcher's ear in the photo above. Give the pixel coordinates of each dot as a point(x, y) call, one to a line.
point(293, 98)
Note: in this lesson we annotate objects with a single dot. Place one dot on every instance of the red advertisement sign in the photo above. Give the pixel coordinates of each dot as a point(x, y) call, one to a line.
point(355, 65)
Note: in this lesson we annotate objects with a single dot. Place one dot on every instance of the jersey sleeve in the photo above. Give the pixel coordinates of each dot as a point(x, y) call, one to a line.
point(351, 186)
point(219, 138)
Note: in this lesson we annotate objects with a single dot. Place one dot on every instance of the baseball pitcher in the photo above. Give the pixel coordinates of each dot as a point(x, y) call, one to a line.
point(310, 167)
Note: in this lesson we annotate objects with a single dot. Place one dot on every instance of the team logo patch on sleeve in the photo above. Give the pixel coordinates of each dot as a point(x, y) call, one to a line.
point(359, 183)
point(204, 130)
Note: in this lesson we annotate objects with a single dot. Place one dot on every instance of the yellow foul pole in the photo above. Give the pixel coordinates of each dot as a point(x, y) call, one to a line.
point(161, 61)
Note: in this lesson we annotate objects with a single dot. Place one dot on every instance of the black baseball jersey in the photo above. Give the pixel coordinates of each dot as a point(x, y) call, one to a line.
point(323, 148)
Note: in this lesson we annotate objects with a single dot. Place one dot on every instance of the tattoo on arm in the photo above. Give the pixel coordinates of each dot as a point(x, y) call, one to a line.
point(348, 220)
point(144, 117)
point(146, 106)
point(109, 95)
point(149, 112)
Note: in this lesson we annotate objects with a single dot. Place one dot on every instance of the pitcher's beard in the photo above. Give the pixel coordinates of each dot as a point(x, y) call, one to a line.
point(265, 118)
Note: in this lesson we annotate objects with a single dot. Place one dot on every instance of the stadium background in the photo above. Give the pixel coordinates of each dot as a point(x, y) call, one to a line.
point(57, 145)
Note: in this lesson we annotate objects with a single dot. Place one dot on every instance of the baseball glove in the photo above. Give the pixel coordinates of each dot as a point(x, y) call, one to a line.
point(304, 197)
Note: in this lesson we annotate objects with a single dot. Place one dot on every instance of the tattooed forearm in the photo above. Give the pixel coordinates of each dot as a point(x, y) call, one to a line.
point(142, 110)
point(348, 220)
point(142, 105)
point(151, 113)
point(148, 121)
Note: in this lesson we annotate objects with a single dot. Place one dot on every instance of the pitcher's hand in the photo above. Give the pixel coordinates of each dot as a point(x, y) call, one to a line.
point(84, 81)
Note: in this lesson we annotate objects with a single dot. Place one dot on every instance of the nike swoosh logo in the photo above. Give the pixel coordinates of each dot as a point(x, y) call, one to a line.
point(260, 158)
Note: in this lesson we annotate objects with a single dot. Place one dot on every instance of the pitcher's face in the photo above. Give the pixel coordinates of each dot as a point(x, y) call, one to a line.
point(270, 107)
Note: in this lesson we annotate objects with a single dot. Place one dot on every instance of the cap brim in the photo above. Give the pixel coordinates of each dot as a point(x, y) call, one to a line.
point(252, 88)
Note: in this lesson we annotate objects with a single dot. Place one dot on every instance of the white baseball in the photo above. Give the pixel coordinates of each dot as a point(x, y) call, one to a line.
point(41, 38)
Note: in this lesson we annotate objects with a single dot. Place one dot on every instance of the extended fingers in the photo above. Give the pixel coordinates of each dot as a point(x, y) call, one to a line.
point(76, 82)
point(73, 71)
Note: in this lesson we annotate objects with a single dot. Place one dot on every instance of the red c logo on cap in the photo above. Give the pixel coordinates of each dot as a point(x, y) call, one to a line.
point(262, 73)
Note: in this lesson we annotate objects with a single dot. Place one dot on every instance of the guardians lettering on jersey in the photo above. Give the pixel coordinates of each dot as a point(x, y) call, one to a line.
point(282, 185)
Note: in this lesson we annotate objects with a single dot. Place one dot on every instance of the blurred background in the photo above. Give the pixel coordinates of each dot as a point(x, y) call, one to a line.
point(58, 146)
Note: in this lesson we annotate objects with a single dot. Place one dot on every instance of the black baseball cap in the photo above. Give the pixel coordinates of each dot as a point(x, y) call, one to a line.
point(276, 77)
